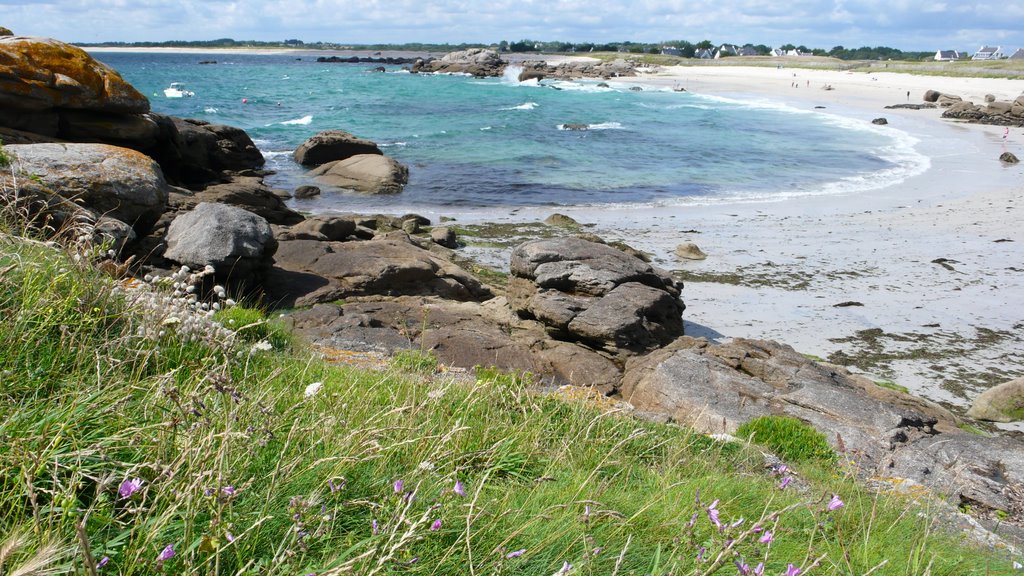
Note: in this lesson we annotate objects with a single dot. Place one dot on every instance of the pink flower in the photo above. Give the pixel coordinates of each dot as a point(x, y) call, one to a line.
point(129, 487)
point(566, 568)
point(228, 490)
point(792, 571)
point(374, 527)
point(766, 538)
point(515, 553)
point(398, 486)
point(713, 514)
point(785, 482)
point(459, 488)
point(759, 569)
point(166, 554)
point(436, 525)
point(835, 503)
point(103, 562)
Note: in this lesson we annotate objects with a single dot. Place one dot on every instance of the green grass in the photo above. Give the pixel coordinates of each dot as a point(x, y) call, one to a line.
point(789, 438)
point(5, 157)
point(247, 467)
point(892, 386)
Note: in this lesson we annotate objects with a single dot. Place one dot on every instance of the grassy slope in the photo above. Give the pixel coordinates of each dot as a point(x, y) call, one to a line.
point(243, 473)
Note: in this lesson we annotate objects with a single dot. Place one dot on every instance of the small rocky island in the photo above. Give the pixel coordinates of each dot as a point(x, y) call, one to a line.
point(164, 191)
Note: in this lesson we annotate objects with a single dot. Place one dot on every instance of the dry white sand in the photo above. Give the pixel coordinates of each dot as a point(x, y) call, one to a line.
point(946, 330)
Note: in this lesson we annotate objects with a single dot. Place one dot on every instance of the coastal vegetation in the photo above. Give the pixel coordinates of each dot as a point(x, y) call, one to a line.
point(144, 433)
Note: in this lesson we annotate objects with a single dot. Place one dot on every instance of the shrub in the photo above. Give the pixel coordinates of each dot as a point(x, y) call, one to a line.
point(788, 437)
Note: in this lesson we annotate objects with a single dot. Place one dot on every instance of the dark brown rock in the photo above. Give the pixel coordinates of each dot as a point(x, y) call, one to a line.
point(246, 192)
point(332, 145)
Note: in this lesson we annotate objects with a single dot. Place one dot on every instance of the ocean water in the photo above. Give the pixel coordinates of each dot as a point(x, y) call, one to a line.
point(495, 143)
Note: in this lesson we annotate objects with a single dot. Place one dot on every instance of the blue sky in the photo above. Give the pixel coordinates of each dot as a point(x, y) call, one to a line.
point(904, 24)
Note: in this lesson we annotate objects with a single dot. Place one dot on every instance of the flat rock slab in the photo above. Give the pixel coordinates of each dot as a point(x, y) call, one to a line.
point(365, 173)
point(386, 267)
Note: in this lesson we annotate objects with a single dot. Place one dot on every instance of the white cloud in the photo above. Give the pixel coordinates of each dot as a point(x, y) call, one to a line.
point(906, 24)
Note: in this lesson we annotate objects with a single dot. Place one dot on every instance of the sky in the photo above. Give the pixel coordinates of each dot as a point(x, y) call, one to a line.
point(910, 25)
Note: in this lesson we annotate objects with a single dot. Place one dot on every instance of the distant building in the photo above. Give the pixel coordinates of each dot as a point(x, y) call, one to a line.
point(948, 55)
point(704, 54)
point(671, 51)
point(777, 52)
point(748, 51)
point(989, 53)
point(726, 50)
point(1018, 55)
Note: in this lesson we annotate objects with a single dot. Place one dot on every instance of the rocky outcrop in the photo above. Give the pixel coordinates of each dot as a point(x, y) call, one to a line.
point(5, 31)
point(247, 192)
point(994, 112)
point(479, 62)
point(234, 241)
point(308, 272)
point(106, 180)
point(593, 293)
point(539, 69)
point(42, 74)
point(715, 388)
point(365, 173)
point(194, 152)
point(332, 145)
point(1002, 403)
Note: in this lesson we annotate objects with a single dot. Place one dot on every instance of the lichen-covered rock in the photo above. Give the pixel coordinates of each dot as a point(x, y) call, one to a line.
point(116, 182)
point(332, 145)
point(1002, 403)
point(43, 73)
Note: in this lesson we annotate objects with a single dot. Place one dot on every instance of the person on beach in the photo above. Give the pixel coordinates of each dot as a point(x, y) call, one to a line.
point(908, 95)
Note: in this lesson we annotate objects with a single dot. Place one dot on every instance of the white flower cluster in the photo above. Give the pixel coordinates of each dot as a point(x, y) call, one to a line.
point(170, 304)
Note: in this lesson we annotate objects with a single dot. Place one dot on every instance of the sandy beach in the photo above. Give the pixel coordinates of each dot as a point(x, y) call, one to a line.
point(918, 282)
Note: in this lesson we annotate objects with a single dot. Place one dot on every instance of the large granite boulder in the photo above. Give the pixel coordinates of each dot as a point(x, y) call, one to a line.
point(308, 272)
point(332, 145)
point(195, 152)
point(107, 180)
point(593, 293)
point(366, 173)
point(42, 73)
point(479, 62)
point(1002, 403)
point(234, 241)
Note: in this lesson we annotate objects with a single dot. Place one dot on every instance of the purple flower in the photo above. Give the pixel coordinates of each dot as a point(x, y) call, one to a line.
point(835, 503)
point(436, 525)
point(566, 567)
point(166, 554)
point(515, 553)
point(208, 492)
point(700, 553)
point(759, 569)
point(459, 488)
point(766, 538)
point(374, 527)
point(713, 514)
point(785, 482)
point(693, 520)
point(743, 568)
point(129, 487)
point(103, 562)
point(398, 486)
point(736, 523)
point(792, 571)
point(229, 536)
point(228, 490)
point(335, 487)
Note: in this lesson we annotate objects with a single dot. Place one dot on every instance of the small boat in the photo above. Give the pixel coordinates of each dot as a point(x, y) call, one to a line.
point(177, 90)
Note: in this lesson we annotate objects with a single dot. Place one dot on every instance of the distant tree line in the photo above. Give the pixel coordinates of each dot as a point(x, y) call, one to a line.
point(686, 49)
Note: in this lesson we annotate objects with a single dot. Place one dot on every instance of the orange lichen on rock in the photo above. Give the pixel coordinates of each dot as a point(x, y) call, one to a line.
point(43, 73)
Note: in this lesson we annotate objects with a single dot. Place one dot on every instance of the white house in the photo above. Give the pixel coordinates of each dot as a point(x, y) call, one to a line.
point(671, 51)
point(948, 55)
point(989, 53)
point(1018, 55)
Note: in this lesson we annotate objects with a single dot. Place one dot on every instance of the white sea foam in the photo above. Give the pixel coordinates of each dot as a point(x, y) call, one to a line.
point(268, 154)
point(523, 106)
point(485, 128)
point(304, 121)
point(390, 144)
point(210, 110)
point(599, 126)
point(511, 74)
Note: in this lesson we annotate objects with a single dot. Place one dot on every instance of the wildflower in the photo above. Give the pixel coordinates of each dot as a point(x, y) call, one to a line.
point(436, 525)
point(228, 490)
point(312, 389)
point(743, 568)
point(565, 569)
point(835, 503)
point(335, 487)
point(713, 514)
point(229, 536)
point(103, 562)
point(700, 553)
point(459, 488)
point(398, 486)
point(262, 345)
point(792, 571)
point(736, 523)
point(785, 482)
point(129, 487)
point(766, 538)
point(515, 554)
point(759, 569)
point(426, 466)
point(693, 520)
point(166, 554)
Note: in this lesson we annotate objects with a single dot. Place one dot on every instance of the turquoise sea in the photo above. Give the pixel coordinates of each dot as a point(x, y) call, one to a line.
point(495, 143)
